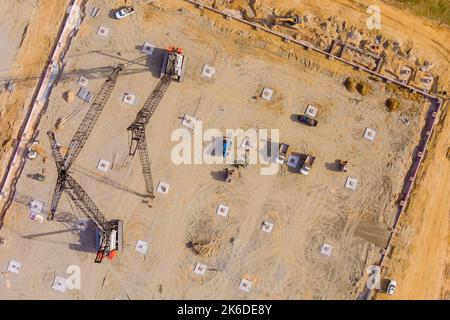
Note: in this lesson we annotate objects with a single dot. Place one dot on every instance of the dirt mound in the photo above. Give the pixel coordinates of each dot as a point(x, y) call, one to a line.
point(203, 238)
point(392, 104)
point(363, 88)
point(350, 84)
point(69, 96)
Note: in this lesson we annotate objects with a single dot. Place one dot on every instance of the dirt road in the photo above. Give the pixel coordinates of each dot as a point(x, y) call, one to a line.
point(36, 41)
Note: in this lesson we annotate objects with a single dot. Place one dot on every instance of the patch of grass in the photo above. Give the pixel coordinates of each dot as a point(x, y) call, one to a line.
point(434, 9)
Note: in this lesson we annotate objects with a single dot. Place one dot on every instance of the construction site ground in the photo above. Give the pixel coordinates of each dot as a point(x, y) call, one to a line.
point(307, 211)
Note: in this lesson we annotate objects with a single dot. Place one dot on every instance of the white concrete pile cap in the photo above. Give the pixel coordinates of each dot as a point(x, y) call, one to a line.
point(245, 285)
point(83, 81)
point(81, 224)
point(141, 246)
point(36, 206)
point(311, 111)
point(351, 183)
point(267, 94)
point(267, 227)
point(59, 284)
point(369, 134)
point(14, 266)
point(189, 121)
point(208, 71)
point(222, 210)
point(129, 98)
point(103, 31)
point(163, 187)
point(103, 165)
point(326, 249)
point(148, 48)
point(200, 268)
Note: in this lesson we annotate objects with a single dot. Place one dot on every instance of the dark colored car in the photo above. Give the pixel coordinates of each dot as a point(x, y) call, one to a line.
point(307, 120)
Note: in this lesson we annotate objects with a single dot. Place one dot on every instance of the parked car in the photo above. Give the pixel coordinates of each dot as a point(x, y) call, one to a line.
point(391, 287)
point(307, 164)
point(124, 12)
point(282, 152)
point(307, 120)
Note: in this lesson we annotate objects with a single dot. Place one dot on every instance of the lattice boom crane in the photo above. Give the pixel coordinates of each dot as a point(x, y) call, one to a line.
point(173, 66)
point(110, 232)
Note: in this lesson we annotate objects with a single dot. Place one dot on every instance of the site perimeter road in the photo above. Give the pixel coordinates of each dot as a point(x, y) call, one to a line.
point(38, 105)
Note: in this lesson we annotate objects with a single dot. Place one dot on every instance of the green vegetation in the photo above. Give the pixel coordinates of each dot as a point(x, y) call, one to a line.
point(434, 9)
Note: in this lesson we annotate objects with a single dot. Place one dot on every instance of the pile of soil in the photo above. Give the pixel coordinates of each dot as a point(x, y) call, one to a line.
point(363, 88)
point(350, 84)
point(392, 104)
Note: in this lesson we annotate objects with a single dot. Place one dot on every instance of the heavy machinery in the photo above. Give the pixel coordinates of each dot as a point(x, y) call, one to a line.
point(174, 62)
point(391, 287)
point(228, 174)
point(290, 21)
point(226, 144)
point(173, 66)
point(109, 232)
point(343, 165)
point(307, 164)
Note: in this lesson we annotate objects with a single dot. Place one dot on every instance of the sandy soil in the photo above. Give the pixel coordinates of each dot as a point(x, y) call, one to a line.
point(30, 38)
point(306, 211)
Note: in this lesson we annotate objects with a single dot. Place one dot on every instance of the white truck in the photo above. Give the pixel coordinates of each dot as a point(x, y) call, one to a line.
point(124, 12)
point(307, 164)
point(391, 287)
point(282, 153)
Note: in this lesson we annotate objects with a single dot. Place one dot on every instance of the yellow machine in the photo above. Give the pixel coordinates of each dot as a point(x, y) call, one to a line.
point(291, 21)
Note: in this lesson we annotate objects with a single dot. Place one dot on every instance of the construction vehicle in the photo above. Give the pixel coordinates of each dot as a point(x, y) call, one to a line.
point(307, 120)
point(294, 162)
point(391, 287)
point(36, 176)
point(228, 174)
point(109, 232)
point(124, 12)
point(290, 21)
point(307, 164)
point(282, 153)
point(343, 165)
point(172, 68)
point(174, 62)
point(242, 160)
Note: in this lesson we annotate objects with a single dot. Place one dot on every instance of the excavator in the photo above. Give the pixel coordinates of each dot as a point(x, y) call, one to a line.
point(290, 21)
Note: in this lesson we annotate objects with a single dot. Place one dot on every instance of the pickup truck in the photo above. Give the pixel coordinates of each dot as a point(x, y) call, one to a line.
point(307, 120)
point(282, 152)
point(123, 12)
point(307, 164)
point(391, 287)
